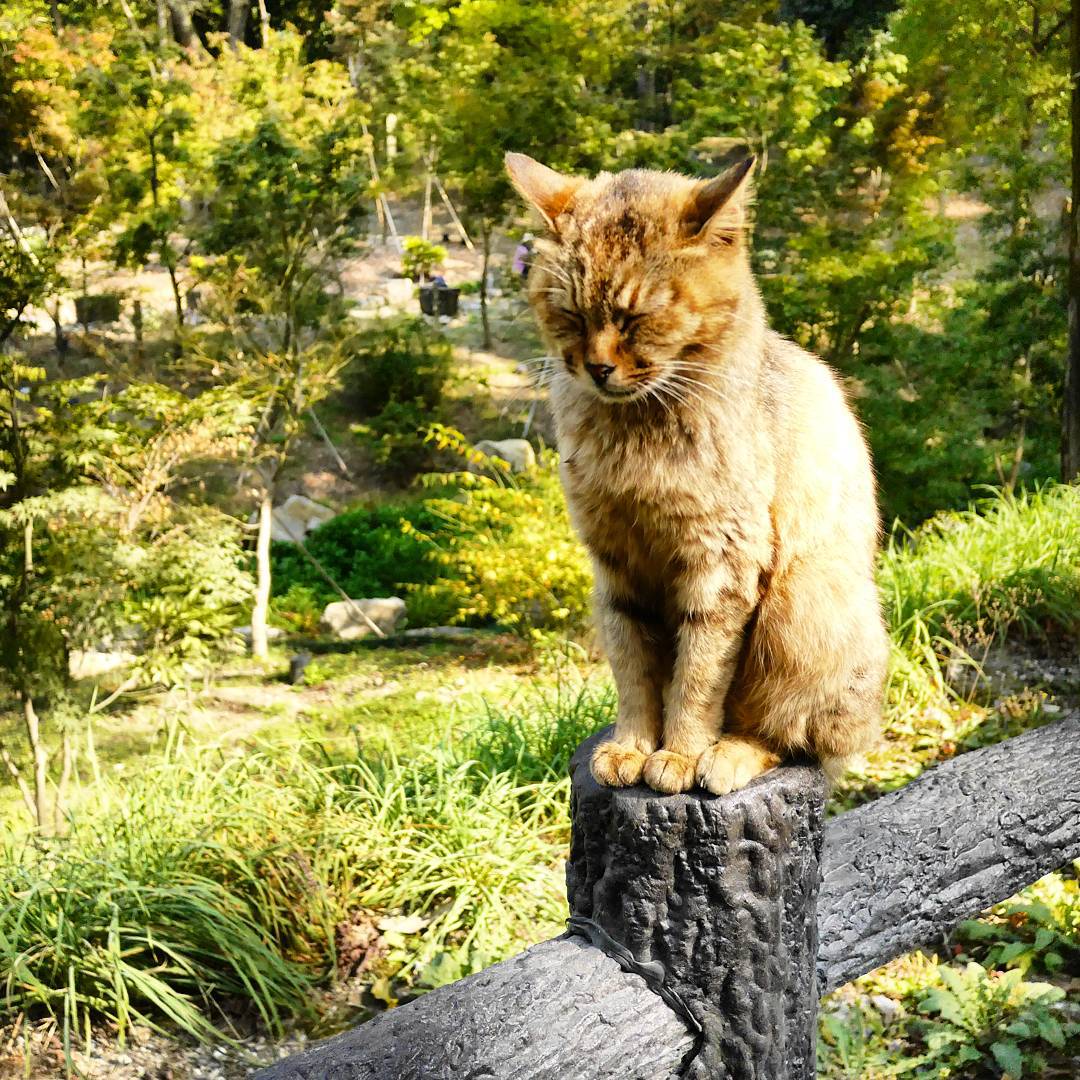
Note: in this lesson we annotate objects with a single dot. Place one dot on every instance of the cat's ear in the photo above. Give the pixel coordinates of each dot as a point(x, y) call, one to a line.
point(716, 209)
point(550, 192)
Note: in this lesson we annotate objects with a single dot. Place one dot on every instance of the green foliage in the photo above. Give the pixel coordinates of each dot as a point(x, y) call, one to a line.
point(1009, 565)
point(421, 257)
point(396, 382)
point(957, 1021)
point(976, 1016)
point(127, 924)
point(1040, 930)
point(368, 551)
point(477, 555)
point(200, 880)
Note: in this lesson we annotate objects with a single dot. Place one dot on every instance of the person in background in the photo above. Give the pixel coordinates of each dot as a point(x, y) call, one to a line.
point(523, 257)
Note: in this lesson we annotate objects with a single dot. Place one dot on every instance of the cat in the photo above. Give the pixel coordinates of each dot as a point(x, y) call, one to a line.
point(718, 478)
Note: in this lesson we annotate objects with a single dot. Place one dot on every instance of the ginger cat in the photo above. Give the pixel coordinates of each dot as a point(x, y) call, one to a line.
point(718, 478)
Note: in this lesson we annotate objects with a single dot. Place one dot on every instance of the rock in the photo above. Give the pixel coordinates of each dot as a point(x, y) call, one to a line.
point(297, 516)
point(89, 663)
point(271, 633)
point(344, 621)
point(890, 1010)
point(517, 453)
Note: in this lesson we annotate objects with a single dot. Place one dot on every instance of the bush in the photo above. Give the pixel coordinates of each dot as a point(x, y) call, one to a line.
point(395, 384)
point(421, 257)
point(474, 555)
point(402, 361)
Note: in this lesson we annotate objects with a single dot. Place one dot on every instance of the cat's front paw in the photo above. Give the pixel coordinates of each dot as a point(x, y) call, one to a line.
point(617, 765)
point(669, 772)
point(732, 763)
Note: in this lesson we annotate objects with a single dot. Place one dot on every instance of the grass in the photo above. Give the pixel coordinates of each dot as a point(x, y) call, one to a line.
point(1009, 565)
point(403, 821)
point(216, 877)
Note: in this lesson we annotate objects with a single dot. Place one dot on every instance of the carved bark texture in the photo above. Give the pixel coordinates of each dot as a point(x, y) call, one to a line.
point(663, 878)
point(723, 893)
point(904, 870)
point(559, 1011)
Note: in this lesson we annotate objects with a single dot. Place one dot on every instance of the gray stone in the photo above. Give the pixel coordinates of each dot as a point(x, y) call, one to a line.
point(344, 620)
point(517, 453)
point(890, 1011)
point(271, 633)
point(296, 517)
point(90, 663)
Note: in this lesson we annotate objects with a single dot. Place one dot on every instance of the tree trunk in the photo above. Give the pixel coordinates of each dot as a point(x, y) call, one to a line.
point(59, 337)
point(259, 646)
point(57, 21)
point(237, 22)
point(174, 281)
point(162, 22)
point(264, 23)
point(41, 762)
point(1070, 413)
point(484, 321)
point(183, 27)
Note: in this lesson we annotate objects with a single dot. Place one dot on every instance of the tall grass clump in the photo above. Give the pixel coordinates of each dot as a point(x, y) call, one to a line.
point(203, 881)
point(1009, 566)
point(535, 737)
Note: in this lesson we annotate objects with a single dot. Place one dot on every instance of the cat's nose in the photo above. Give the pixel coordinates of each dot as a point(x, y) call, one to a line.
point(599, 372)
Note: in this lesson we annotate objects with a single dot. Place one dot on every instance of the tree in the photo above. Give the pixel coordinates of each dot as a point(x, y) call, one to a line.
point(1070, 441)
point(286, 197)
point(493, 77)
point(95, 542)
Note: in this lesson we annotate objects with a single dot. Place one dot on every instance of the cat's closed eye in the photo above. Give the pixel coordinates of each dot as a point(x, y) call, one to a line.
point(627, 320)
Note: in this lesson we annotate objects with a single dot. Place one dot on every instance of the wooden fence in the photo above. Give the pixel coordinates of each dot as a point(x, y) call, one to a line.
point(703, 930)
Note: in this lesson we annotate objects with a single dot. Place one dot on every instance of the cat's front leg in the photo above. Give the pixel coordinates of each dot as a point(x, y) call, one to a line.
point(632, 635)
point(712, 612)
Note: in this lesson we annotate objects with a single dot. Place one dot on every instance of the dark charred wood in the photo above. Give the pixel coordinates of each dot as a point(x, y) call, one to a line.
point(720, 892)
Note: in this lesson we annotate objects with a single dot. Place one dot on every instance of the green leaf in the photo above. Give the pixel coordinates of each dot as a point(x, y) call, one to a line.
point(1009, 1057)
point(945, 1003)
point(1053, 961)
point(1051, 1031)
point(980, 931)
point(1011, 951)
point(1044, 937)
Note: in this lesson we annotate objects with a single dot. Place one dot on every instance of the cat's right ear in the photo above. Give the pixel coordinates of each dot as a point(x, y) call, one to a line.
point(550, 192)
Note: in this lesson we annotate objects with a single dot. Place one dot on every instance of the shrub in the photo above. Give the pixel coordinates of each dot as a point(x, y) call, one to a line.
point(403, 361)
point(476, 554)
point(421, 257)
point(395, 385)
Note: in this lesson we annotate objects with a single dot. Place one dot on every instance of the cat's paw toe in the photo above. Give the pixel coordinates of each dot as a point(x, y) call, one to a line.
point(731, 764)
point(617, 765)
point(669, 772)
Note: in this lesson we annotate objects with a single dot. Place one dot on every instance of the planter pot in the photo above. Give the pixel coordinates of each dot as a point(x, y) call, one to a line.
point(436, 300)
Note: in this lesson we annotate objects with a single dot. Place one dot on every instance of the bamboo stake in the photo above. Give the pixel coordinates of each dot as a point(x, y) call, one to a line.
point(453, 213)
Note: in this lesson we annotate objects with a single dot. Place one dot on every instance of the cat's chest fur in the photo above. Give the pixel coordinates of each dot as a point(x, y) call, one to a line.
point(651, 495)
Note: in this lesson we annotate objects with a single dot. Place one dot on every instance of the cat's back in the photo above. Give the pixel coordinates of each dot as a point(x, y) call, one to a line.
point(825, 480)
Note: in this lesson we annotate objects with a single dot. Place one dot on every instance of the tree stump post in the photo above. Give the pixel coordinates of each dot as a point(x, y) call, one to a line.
point(695, 937)
point(721, 893)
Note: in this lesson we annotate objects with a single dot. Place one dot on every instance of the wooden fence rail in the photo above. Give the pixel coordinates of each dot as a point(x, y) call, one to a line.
point(706, 928)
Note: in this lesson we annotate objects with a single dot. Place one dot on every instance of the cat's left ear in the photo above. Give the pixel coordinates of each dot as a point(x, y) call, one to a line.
point(716, 210)
point(550, 192)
